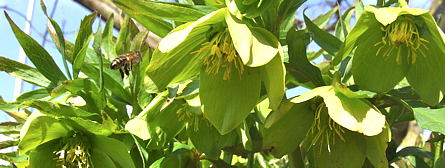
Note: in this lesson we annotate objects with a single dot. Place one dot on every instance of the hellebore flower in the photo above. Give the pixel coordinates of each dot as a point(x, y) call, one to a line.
point(231, 59)
point(345, 109)
point(66, 140)
point(393, 43)
point(331, 122)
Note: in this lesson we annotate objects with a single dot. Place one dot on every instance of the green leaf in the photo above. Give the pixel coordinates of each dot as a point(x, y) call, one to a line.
point(107, 39)
point(56, 34)
point(327, 41)
point(228, 112)
point(82, 41)
point(138, 127)
point(288, 129)
point(59, 110)
point(126, 33)
point(85, 125)
point(33, 94)
point(431, 119)
point(37, 54)
point(323, 19)
point(303, 70)
point(273, 75)
point(112, 80)
point(115, 149)
point(160, 10)
point(256, 46)
point(24, 72)
point(39, 130)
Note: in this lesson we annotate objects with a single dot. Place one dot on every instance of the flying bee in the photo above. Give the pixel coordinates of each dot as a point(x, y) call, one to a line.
point(126, 61)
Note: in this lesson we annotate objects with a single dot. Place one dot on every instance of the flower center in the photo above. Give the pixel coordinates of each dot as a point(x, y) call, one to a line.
point(75, 152)
point(222, 55)
point(324, 130)
point(402, 33)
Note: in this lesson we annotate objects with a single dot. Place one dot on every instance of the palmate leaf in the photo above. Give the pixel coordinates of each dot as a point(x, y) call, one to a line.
point(227, 103)
point(37, 54)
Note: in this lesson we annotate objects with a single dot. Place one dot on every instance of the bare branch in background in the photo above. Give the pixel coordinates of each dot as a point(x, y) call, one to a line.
point(106, 8)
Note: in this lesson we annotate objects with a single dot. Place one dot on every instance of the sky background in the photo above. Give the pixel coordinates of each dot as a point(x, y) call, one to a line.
point(68, 14)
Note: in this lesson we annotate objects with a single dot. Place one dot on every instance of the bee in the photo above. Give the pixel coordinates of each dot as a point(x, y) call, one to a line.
point(126, 61)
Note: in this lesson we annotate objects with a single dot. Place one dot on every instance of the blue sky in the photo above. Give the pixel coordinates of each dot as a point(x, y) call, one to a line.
point(69, 14)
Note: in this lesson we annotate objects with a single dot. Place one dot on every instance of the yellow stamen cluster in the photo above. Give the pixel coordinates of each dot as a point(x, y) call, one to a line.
point(399, 35)
point(222, 55)
point(324, 129)
point(75, 152)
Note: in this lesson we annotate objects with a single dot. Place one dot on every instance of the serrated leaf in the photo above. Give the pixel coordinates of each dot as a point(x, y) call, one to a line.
point(327, 41)
point(160, 10)
point(37, 54)
point(81, 44)
point(24, 72)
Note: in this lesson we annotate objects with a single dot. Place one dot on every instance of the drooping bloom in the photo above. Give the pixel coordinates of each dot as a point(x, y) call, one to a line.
point(393, 43)
point(231, 59)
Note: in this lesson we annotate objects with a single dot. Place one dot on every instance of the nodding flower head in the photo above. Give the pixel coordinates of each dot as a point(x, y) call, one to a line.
point(325, 131)
point(222, 55)
point(402, 34)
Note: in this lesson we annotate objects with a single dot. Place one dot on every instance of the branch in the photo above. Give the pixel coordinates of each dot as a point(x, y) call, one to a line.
point(105, 9)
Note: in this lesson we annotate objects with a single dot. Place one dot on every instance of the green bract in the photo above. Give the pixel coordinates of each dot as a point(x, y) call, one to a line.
point(248, 8)
point(393, 43)
point(231, 58)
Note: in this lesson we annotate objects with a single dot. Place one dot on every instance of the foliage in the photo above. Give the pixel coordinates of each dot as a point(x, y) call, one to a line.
point(212, 94)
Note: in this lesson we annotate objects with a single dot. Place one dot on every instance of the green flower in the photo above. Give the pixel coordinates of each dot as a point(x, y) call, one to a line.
point(68, 141)
point(341, 107)
point(393, 43)
point(231, 59)
point(331, 123)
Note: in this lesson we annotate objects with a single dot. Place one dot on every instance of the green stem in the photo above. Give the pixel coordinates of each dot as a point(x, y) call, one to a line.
point(438, 146)
point(250, 160)
point(403, 3)
point(155, 104)
point(295, 159)
point(227, 158)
